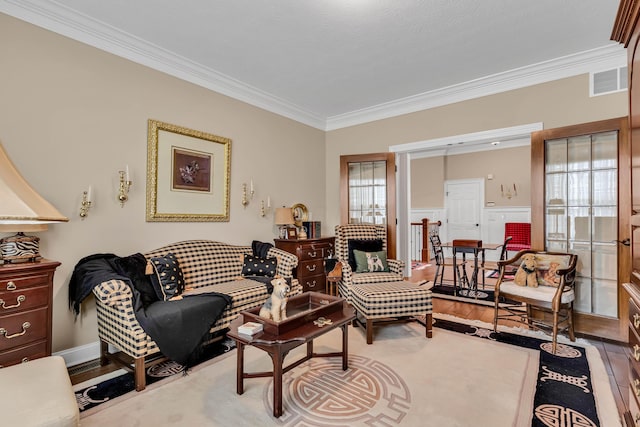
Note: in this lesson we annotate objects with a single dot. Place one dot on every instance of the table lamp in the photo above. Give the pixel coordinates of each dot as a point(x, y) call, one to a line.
point(283, 218)
point(21, 209)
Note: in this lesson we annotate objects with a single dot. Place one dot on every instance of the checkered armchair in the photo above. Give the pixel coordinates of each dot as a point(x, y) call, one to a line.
point(344, 233)
point(207, 266)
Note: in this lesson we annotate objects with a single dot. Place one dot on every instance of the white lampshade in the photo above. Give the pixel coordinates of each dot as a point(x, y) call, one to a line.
point(19, 203)
point(21, 209)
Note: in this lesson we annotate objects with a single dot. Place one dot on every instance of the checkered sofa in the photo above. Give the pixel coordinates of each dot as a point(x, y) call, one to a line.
point(207, 266)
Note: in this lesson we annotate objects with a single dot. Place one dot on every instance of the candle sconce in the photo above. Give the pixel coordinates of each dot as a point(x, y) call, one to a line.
point(510, 191)
point(125, 184)
point(263, 210)
point(246, 198)
point(85, 205)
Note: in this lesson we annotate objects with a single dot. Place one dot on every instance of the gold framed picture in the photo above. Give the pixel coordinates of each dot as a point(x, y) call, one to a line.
point(187, 174)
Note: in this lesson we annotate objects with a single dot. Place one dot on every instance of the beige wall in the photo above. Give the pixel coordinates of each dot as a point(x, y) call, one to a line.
point(558, 103)
point(72, 116)
point(508, 166)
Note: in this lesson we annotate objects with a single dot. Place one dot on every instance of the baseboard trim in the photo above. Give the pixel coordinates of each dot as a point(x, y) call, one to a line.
point(82, 354)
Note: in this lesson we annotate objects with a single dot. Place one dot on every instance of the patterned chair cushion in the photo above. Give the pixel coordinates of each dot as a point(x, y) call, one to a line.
point(391, 299)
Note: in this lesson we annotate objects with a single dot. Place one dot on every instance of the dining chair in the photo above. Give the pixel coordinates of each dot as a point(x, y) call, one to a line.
point(463, 247)
point(441, 262)
point(520, 233)
point(547, 307)
point(492, 266)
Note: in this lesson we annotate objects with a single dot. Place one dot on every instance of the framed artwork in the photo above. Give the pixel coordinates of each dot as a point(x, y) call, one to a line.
point(188, 174)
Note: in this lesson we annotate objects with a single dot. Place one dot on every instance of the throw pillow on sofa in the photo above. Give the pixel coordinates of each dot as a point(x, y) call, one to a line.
point(365, 245)
point(255, 266)
point(371, 262)
point(167, 278)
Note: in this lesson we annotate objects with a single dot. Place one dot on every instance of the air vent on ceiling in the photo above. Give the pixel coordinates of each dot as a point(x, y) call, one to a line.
point(609, 81)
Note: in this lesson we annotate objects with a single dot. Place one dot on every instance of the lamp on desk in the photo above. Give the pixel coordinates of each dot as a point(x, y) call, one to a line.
point(283, 219)
point(22, 210)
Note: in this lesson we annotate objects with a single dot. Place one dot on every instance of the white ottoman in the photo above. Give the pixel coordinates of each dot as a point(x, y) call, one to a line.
point(38, 393)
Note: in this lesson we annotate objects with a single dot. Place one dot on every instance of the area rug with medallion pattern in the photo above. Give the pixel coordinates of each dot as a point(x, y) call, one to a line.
point(466, 375)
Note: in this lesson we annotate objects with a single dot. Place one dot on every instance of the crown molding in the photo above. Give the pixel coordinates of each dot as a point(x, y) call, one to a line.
point(603, 58)
point(67, 22)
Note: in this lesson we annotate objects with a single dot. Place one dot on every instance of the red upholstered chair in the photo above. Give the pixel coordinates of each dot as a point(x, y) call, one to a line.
point(520, 233)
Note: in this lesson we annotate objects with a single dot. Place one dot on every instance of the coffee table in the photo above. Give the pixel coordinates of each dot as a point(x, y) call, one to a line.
point(278, 339)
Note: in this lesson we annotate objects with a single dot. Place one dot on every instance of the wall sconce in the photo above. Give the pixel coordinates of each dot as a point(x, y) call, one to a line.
point(263, 211)
point(85, 205)
point(509, 193)
point(245, 200)
point(125, 183)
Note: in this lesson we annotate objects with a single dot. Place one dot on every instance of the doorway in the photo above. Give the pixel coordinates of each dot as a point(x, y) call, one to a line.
point(471, 142)
point(463, 201)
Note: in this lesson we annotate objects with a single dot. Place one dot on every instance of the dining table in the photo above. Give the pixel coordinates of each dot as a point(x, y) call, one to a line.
point(476, 249)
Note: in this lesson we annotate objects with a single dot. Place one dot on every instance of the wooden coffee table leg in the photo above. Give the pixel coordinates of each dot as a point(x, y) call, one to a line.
point(277, 359)
point(240, 368)
point(345, 349)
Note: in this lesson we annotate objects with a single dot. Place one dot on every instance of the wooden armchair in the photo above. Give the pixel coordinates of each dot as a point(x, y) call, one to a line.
point(547, 306)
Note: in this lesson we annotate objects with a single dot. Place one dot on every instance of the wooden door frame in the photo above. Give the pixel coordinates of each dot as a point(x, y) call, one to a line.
point(589, 323)
point(390, 158)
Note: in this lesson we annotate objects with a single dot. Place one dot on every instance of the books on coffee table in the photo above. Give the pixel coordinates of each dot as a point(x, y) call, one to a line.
point(250, 328)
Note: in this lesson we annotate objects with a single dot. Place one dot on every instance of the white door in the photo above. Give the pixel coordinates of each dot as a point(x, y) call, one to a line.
point(463, 201)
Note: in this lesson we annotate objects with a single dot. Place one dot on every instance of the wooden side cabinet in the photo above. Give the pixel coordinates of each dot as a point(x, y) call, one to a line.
point(632, 416)
point(311, 254)
point(26, 298)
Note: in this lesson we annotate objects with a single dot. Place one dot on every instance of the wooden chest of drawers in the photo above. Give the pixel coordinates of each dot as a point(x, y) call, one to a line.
point(311, 254)
point(632, 417)
point(26, 292)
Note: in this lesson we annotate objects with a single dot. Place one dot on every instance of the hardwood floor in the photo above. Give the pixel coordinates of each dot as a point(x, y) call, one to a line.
point(614, 354)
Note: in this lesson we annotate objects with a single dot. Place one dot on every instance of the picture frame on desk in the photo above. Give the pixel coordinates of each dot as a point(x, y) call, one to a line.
point(292, 233)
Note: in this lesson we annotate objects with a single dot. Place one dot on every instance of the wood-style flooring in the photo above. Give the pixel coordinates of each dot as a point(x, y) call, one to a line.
point(614, 354)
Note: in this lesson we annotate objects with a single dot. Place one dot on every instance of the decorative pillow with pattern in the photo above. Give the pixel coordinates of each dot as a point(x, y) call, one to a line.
point(547, 266)
point(366, 245)
point(167, 277)
point(255, 266)
point(371, 262)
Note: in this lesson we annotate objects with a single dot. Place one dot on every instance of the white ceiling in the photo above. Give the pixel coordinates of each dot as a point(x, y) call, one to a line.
point(334, 63)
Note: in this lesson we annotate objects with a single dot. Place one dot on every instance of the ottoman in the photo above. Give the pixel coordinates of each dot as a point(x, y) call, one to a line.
point(38, 393)
point(392, 301)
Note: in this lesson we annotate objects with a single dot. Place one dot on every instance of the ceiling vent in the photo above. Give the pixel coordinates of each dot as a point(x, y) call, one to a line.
point(609, 81)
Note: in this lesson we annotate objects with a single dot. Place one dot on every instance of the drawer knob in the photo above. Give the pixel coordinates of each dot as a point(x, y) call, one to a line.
point(636, 352)
point(312, 254)
point(24, 360)
point(25, 326)
point(20, 299)
point(636, 320)
point(635, 384)
point(311, 284)
point(11, 286)
point(311, 267)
